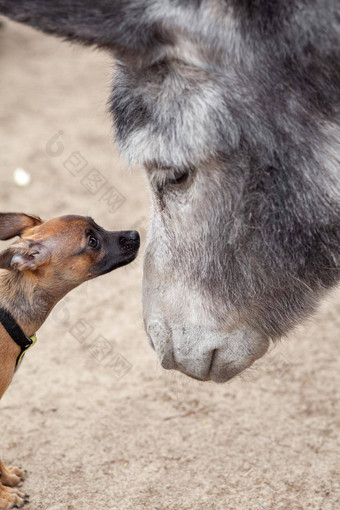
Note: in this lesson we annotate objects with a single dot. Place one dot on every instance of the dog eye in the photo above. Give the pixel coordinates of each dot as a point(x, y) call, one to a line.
point(93, 242)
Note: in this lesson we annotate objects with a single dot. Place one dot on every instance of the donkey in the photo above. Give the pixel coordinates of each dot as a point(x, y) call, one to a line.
point(232, 109)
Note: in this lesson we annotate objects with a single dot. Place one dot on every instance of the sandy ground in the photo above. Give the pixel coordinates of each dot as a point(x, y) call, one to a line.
point(91, 415)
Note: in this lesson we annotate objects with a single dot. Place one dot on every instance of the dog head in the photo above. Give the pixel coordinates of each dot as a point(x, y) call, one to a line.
point(64, 251)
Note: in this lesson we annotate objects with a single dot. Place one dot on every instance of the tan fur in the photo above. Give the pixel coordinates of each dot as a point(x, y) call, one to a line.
point(49, 259)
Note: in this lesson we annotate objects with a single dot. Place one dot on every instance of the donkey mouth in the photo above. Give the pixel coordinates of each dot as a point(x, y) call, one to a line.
point(215, 366)
point(217, 359)
point(215, 372)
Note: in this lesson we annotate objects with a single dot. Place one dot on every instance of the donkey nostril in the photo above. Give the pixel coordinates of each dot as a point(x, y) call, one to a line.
point(150, 341)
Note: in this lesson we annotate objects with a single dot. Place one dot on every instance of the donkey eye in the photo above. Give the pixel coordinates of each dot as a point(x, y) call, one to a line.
point(93, 242)
point(177, 179)
point(169, 178)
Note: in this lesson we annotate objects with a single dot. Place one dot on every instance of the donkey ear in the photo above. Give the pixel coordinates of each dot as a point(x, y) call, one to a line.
point(14, 224)
point(25, 255)
point(122, 25)
point(79, 19)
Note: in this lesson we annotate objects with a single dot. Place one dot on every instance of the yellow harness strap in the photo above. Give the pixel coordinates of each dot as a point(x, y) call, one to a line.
point(33, 338)
point(16, 333)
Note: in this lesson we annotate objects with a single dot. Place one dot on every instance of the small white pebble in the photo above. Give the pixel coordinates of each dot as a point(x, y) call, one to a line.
point(21, 177)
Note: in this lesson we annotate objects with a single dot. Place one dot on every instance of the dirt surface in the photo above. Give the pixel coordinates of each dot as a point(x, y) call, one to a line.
point(90, 414)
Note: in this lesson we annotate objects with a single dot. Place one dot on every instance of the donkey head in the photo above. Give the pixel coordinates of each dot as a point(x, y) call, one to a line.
point(231, 108)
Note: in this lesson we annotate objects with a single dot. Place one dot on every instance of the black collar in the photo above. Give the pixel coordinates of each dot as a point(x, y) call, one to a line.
point(16, 333)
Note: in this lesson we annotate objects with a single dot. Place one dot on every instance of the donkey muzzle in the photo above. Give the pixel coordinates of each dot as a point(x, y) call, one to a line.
point(205, 355)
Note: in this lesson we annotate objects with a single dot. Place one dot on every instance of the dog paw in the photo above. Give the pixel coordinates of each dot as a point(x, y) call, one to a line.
point(12, 476)
point(12, 498)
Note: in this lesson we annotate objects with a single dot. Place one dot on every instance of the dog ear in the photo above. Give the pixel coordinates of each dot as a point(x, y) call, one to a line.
point(123, 25)
point(26, 255)
point(14, 224)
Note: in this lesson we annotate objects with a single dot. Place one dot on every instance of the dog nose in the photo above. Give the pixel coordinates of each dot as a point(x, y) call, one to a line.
point(127, 237)
point(133, 235)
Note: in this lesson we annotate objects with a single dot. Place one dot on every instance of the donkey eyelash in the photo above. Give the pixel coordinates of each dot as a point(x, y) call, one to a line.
point(165, 177)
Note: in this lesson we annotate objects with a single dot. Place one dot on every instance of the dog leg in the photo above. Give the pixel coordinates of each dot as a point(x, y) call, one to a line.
point(11, 498)
point(11, 476)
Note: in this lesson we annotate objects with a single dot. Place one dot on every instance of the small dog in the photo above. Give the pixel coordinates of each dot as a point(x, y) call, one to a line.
point(49, 259)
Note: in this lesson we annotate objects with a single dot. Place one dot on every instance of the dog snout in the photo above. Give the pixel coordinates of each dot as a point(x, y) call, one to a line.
point(129, 241)
point(133, 235)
